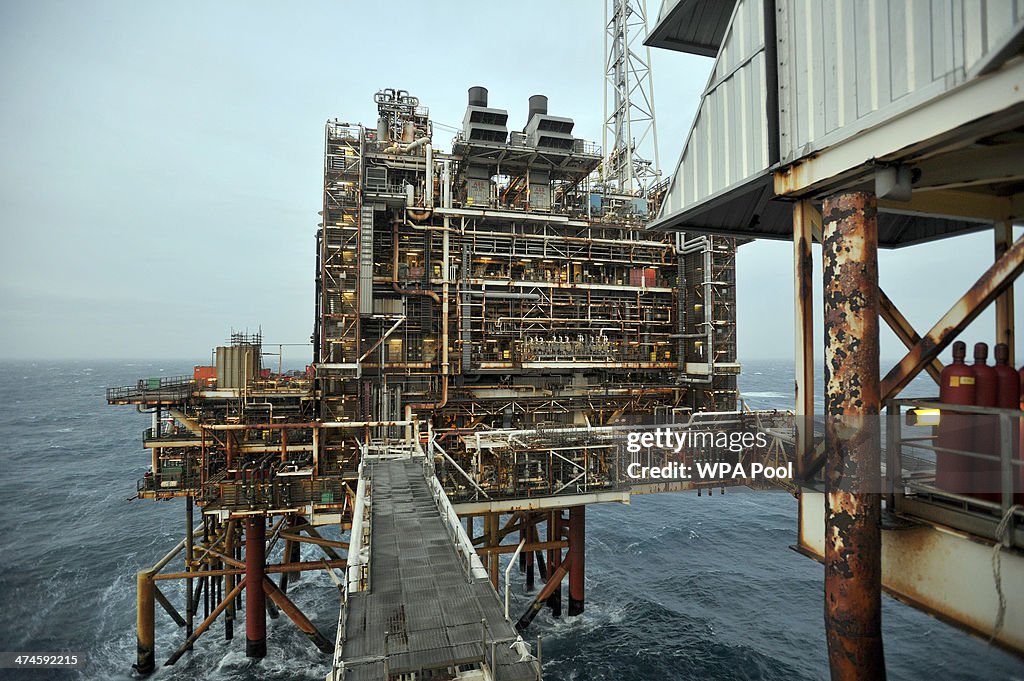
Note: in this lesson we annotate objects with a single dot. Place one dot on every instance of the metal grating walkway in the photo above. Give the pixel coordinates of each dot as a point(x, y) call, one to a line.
point(422, 611)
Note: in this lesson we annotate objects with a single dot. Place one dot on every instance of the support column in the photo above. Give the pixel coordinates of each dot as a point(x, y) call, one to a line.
point(145, 620)
point(189, 555)
point(296, 556)
point(291, 553)
point(491, 521)
point(524, 536)
point(554, 601)
point(255, 603)
point(803, 332)
point(853, 574)
point(286, 558)
point(1005, 332)
point(531, 537)
point(577, 546)
point(229, 580)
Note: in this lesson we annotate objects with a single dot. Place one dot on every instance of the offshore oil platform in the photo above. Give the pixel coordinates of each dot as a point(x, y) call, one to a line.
point(489, 319)
point(492, 318)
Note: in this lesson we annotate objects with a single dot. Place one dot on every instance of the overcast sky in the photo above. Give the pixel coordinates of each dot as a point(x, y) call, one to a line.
point(162, 162)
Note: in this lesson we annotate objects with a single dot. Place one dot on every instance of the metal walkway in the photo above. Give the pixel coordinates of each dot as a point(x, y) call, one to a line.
point(418, 604)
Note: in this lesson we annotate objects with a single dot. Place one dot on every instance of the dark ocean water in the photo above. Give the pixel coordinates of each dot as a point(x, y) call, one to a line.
point(678, 586)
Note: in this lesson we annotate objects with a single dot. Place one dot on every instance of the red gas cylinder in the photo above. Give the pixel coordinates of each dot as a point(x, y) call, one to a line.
point(1008, 397)
point(986, 383)
point(985, 482)
point(953, 471)
point(1007, 380)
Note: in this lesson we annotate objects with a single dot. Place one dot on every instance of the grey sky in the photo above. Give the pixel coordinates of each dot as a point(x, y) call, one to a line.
point(162, 161)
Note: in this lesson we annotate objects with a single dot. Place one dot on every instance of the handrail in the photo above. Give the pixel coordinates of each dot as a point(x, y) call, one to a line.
point(174, 386)
point(965, 507)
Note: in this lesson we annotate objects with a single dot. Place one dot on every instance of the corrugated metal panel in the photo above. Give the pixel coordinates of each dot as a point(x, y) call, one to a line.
point(846, 66)
point(694, 26)
point(843, 67)
point(728, 142)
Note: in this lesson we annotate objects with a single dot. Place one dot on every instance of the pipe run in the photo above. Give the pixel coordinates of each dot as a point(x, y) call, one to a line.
point(306, 425)
point(406, 148)
point(419, 215)
point(394, 270)
point(504, 295)
point(434, 405)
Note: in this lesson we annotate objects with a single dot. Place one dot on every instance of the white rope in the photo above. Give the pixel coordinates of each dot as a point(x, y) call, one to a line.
point(1001, 530)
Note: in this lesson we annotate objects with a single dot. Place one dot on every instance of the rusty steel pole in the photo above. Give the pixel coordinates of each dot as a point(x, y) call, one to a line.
point(853, 567)
point(296, 555)
point(577, 542)
point(554, 600)
point(255, 603)
point(288, 554)
point(531, 537)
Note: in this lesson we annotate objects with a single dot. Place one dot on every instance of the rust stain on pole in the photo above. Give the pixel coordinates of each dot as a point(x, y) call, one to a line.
point(853, 574)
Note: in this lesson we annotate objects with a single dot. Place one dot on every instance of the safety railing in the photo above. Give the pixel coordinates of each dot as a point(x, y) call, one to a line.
point(169, 482)
point(173, 433)
point(283, 493)
point(957, 465)
point(169, 387)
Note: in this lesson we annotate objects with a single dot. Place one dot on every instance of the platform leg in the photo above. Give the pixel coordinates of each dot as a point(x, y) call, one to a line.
point(554, 601)
point(255, 602)
point(145, 620)
point(577, 569)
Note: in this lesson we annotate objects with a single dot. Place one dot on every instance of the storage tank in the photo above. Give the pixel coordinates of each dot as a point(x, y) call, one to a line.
point(237, 365)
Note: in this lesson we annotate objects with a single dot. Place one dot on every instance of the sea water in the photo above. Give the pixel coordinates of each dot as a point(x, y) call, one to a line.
point(678, 586)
